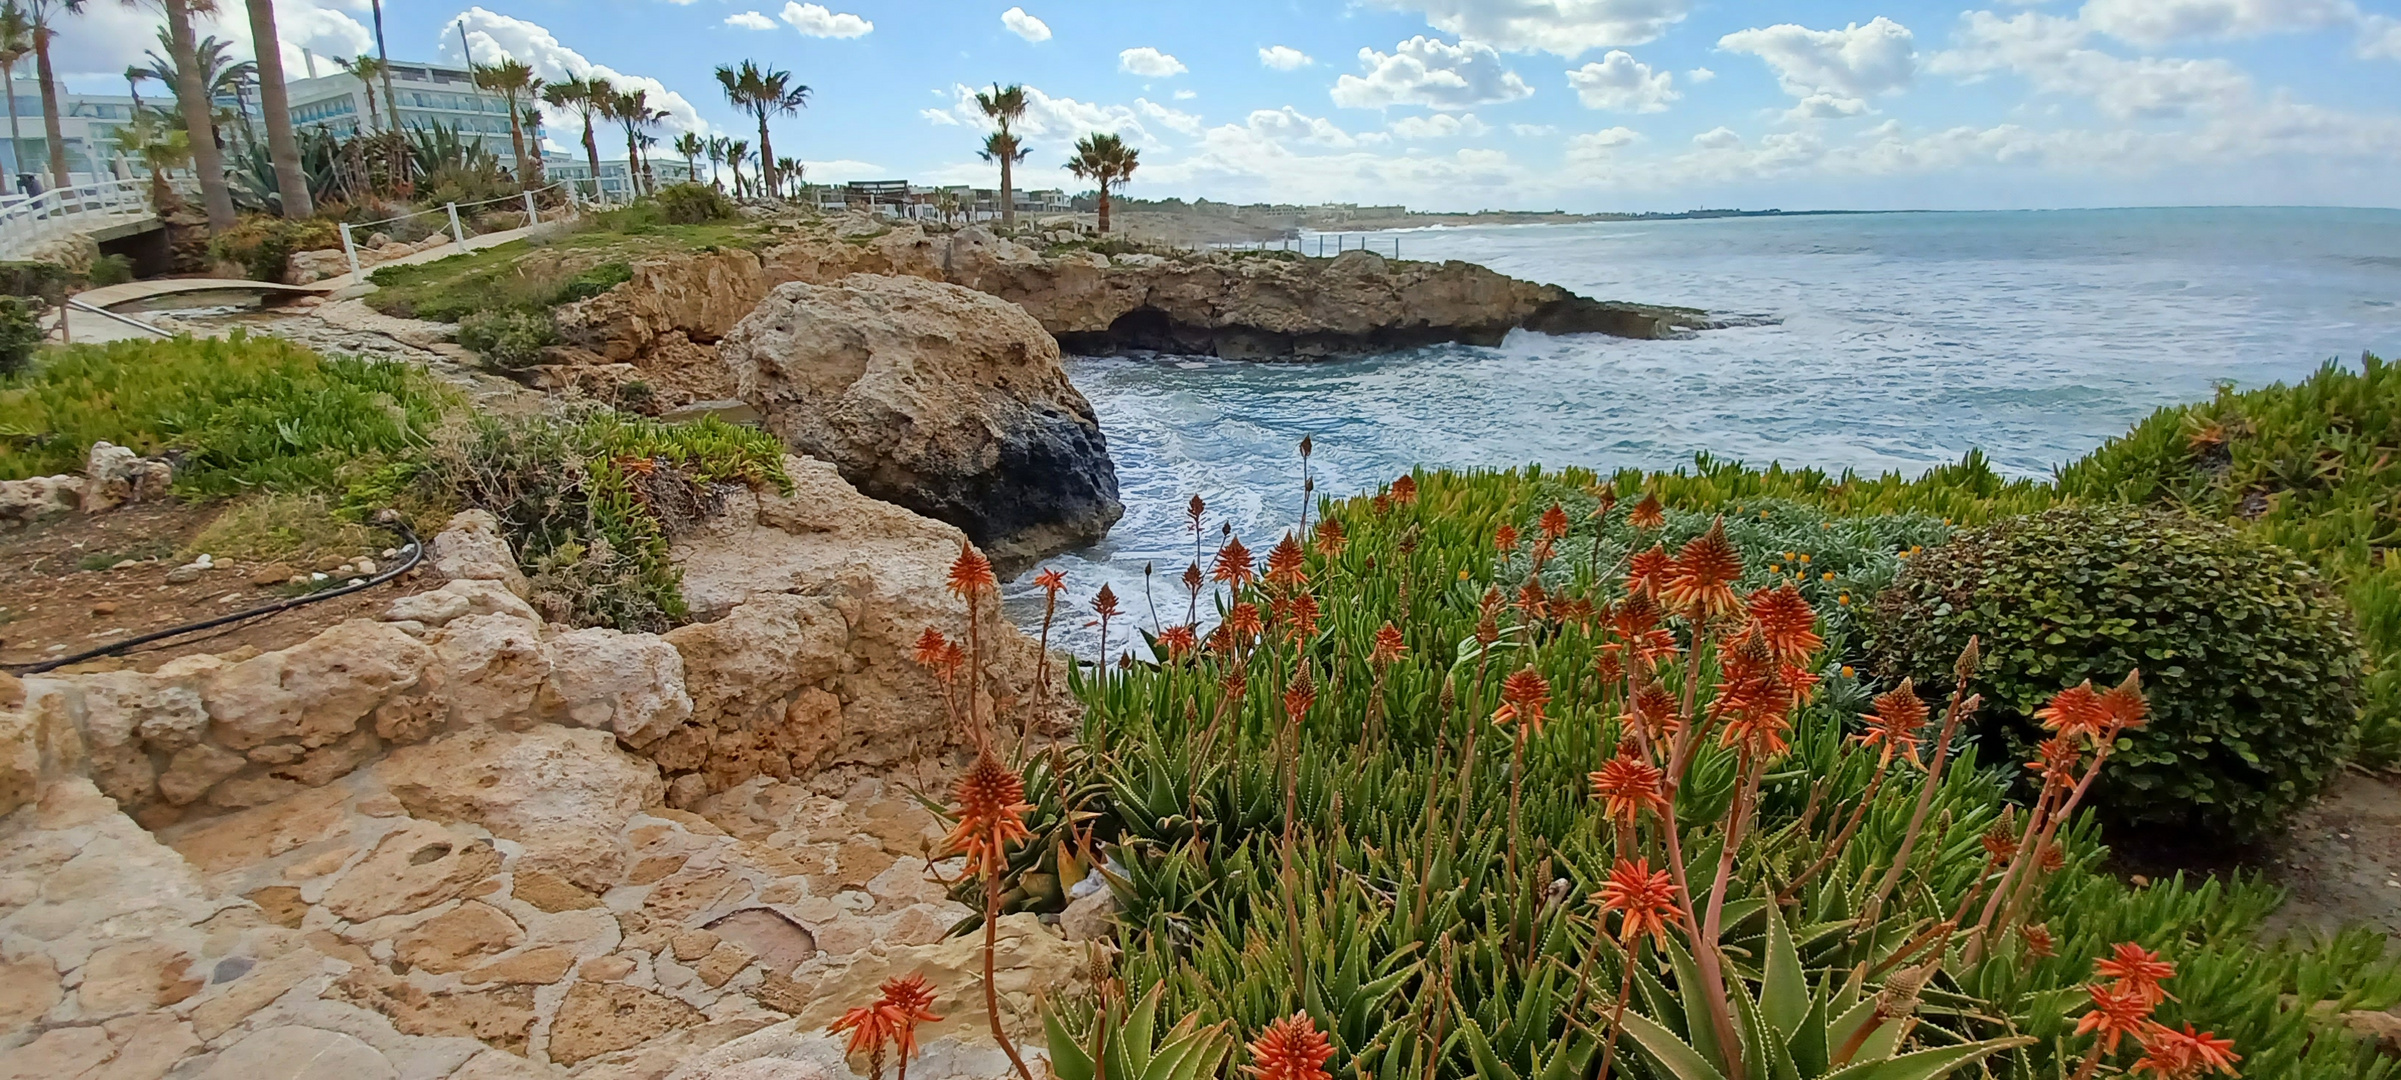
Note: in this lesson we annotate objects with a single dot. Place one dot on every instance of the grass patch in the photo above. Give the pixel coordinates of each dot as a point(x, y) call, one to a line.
point(238, 414)
point(102, 560)
point(302, 528)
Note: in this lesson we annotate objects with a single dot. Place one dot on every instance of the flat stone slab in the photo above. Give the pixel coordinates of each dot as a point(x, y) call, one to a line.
point(109, 296)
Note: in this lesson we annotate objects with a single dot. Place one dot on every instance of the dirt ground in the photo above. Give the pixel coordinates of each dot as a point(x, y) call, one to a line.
point(2341, 860)
point(78, 581)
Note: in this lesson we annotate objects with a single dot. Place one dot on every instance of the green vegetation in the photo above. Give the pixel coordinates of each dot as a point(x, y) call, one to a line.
point(298, 526)
point(239, 413)
point(20, 333)
point(110, 270)
point(263, 245)
point(588, 502)
point(508, 340)
point(1374, 810)
point(694, 204)
point(2248, 660)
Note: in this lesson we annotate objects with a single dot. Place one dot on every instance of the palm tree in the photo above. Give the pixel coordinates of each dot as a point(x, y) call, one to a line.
point(736, 152)
point(159, 147)
point(691, 146)
point(365, 67)
point(789, 170)
point(220, 74)
point(40, 14)
point(290, 181)
point(134, 78)
point(765, 93)
point(589, 98)
point(714, 147)
point(515, 82)
point(1105, 160)
point(1004, 105)
point(16, 40)
point(191, 98)
point(632, 111)
point(650, 179)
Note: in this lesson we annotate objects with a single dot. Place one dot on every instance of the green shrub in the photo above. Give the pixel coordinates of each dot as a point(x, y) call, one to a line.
point(2249, 661)
point(264, 244)
point(591, 283)
point(20, 333)
point(111, 270)
point(694, 204)
point(495, 279)
point(244, 413)
point(41, 280)
point(508, 340)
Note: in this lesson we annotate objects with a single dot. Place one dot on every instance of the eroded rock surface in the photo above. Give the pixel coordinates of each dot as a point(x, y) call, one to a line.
point(938, 398)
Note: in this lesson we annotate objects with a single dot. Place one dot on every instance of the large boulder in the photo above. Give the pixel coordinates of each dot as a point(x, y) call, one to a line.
point(935, 397)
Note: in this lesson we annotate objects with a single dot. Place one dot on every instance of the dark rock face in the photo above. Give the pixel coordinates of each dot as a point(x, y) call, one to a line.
point(937, 398)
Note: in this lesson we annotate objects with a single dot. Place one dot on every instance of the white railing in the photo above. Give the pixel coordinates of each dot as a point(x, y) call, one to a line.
point(458, 232)
point(25, 223)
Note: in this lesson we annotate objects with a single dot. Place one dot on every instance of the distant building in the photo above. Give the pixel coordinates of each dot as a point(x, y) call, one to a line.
point(429, 94)
point(88, 124)
point(577, 170)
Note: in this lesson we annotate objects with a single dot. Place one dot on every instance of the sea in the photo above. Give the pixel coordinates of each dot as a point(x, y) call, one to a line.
point(1876, 342)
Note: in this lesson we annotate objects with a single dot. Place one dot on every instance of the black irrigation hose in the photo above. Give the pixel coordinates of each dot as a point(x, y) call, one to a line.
point(412, 550)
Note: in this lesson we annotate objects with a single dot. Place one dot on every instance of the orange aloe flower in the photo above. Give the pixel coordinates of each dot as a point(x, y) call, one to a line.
point(2076, 710)
point(1287, 565)
point(869, 1027)
point(1645, 900)
point(2138, 969)
point(1104, 603)
point(1531, 601)
point(2124, 702)
point(1647, 571)
point(2000, 840)
point(1628, 785)
point(1178, 640)
point(1300, 693)
point(1523, 695)
point(1233, 564)
point(1290, 1049)
point(1554, 522)
point(1404, 490)
point(1655, 707)
point(992, 811)
point(2056, 759)
point(1635, 622)
point(2182, 1055)
point(1052, 582)
point(2039, 943)
point(1330, 538)
point(971, 573)
point(1647, 514)
point(1243, 619)
point(1389, 647)
point(1298, 615)
point(2116, 1013)
point(1604, 499)
point(1895, 725)
point(954, 660)
point(1702, 581)
point(1505, 538)
point(907, 1001)
point(929, 647)
point(1787, 621)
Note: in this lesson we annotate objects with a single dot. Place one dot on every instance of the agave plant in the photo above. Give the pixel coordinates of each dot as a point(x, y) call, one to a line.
point(1127, 1043)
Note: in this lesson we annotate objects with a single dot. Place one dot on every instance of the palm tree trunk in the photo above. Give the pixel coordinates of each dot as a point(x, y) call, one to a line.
point(374, 119)
point(290, 179)
point(525, 172)
point(766, 157)
point(1008, 197)
point(1104, 208)
point(193, 98)
point(592, 155)
point(50, 126)
point(633, 156)
point(16, 149)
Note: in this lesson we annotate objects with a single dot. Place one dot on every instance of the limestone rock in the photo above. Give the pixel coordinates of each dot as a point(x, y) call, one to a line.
point(455, 599)
point(938, 398)
point(1092, 917)
point(252, 836)
point(415, 867)
point(488, 669)
point(458, 939)
point(597, 1018)
point(562, 792)
point(630, 684)
point(299, 1053)
point(537, 966)
point(135, 976)
point(701, 295)
point(114, 475)
point(471, 548)
point(759, 653)
point(38, 497)
point(316, 691)
point(28, 989)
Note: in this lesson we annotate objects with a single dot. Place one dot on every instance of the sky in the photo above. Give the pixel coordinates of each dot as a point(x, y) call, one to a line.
point(1581, 105)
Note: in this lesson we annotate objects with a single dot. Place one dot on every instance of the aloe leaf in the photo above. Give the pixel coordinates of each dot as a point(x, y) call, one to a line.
point(1488, 1064)
point(1672, 1054)
point(1783, 993)
point(1929, 1064)
point(1067, 1059)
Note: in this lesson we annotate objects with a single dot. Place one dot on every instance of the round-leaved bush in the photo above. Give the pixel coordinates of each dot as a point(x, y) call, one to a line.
point(2248, 660)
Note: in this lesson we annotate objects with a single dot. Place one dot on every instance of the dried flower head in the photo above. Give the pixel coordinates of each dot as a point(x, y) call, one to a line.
point(1287, 565)
point(1604, 499)
point(992, 811)
point(1523, 696)
point(971, 573)
point(1701, 584)
point(1647, 514)
point(1330, 538)
point(1628, 785)
point(1233, 564)
point(1192, 510)
point(1104, 603)
point(1192, 578)
point(1899, 717)
point(2039, 943)
point(1389, 646)
point(1554, 522)
point(1644, 899)
point(1787, 622)
point(1290, 1049)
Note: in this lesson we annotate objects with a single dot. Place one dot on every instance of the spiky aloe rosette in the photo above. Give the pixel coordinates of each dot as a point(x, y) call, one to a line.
point(1313, 809)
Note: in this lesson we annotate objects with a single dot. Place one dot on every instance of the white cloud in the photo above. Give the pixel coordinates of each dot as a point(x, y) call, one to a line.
point(1427, 71)
point(1056, 122)
point(2050, 53)
point(1718, 138)
point(1024, 25)
point(1620, 83)
point(1186, 94)
point(1698, 76)
point(492, 38)
point(1568, 28)
point(750, 20)
point(2158, 22)
point(1149, 63)
point(1826, 107)
point(815, 21)
point(841, 170)
point(1529, 131)
point(2380, 37)
point(944, 117)
point(1172, 119)
point(1285, 58)
point(1440, 126)
point(1291, 125)
point(100, 43)
point(1599, 144)
point(1858, 61)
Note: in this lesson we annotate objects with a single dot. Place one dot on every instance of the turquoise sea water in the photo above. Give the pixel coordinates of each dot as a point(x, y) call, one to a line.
point(1898, 341)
